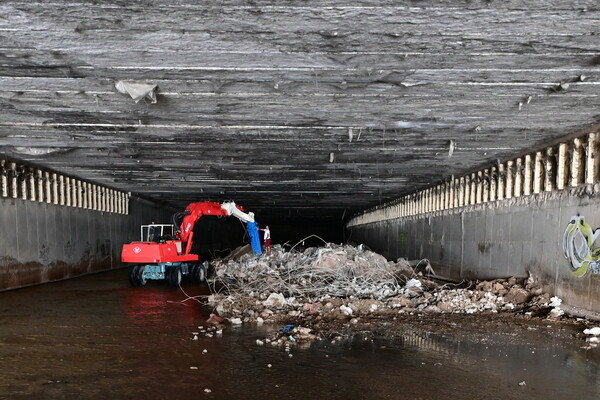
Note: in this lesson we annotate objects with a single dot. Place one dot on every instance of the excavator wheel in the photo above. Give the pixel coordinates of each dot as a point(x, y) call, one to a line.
point(140, 276)
point(133, 275)
point(174, 276)
point(198, 273)
point(201, 273)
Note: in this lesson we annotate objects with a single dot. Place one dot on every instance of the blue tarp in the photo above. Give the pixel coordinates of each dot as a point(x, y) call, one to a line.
point(252, 228)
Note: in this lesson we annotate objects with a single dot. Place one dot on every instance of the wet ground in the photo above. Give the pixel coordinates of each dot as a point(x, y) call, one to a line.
point(96, 337)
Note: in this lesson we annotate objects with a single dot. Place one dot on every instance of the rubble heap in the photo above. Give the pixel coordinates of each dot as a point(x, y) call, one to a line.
point(348, 283)
point(337, 271)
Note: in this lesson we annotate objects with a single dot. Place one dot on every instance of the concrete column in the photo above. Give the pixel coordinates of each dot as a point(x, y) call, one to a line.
point(68, 191)
point(563, 166)
point(4, 178)
point(467, 190)
point(518, 177)
point(493, 183)
point(48, 187)
point(23, 183)
point(485, 185)
point(455, 192)
point(84, 194)
point(479, 188)
point(32, 184)
point(577, 163)
point(550, 167)
point(54, 189)
point(76, 195)
point(461, 191)
point(510, 184)
point(538, 172)
point(592, 163)
point(40, 185)
point(501, 181)
point(473, 199)
point(528, 176)
point(14, 189)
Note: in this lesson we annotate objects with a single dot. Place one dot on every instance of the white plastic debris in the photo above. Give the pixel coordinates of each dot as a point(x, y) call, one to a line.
point(346, 310)
point(137, 90)
point(259, 342)
point(555, 302)
point(193, 367)
point(592, 331)
point(207, 390)
point(414, 283)
point(236, 321)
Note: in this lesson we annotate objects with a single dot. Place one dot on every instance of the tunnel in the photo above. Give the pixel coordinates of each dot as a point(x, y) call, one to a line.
point(465, 133)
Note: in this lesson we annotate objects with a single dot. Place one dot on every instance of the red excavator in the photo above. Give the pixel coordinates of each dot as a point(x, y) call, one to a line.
point(164, 251)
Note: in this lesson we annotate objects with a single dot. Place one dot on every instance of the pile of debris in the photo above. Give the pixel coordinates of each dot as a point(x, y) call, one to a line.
point(346, 283)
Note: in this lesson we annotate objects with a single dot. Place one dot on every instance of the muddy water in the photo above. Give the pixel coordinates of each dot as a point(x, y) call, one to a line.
point(95, 337)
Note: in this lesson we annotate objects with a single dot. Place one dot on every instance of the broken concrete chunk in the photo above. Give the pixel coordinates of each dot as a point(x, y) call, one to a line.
point(517, 295)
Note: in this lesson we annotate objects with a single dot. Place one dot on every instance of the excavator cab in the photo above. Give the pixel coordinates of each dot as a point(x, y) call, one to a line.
point(158, 233)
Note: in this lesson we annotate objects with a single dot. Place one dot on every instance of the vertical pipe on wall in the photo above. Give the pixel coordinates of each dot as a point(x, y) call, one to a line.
point(562, 167)
point(61, 190)
point(577, 163)
point(592, 163)
point(538, 172)
point(550, 168)
point(509, 180)
point(528, 176)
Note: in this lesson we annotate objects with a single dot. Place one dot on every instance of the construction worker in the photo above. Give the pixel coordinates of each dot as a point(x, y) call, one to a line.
point(267, 237)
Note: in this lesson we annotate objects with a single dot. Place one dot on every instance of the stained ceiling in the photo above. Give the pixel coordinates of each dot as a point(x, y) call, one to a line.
point(292, 108)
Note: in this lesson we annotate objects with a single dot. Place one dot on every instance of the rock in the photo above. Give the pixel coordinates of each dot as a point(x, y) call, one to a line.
point(497, 287)
point(312, 307)
point(346, 310)
point(517, 295)
point(275, 300)
point(214, 319)
point(445, 307)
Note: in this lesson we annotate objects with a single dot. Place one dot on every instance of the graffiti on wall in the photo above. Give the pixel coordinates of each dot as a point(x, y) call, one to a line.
point(578, 247)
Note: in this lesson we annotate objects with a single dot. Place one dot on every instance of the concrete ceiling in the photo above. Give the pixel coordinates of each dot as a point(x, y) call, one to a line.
point(292, 108)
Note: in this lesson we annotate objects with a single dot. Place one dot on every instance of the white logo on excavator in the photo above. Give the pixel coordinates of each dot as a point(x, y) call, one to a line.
point(137, 250)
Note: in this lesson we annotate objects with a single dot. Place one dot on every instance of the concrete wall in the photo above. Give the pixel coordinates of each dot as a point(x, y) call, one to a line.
point(44, 242)
point(499, 239)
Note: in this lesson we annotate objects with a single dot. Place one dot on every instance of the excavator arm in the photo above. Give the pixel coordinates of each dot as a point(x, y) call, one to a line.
point(195, 211)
